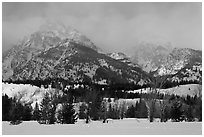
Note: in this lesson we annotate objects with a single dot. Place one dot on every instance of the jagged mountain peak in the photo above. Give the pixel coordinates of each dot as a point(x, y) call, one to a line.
point(50, 34)
point(57, 52)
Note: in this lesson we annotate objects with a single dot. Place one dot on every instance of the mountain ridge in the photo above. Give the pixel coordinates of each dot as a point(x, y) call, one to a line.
point(57, 51)
point(45, 54)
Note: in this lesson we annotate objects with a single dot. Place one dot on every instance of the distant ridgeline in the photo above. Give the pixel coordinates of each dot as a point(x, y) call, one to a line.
point(56, 53)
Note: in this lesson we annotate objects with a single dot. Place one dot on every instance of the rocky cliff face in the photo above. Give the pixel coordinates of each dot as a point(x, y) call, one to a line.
point(57, 51)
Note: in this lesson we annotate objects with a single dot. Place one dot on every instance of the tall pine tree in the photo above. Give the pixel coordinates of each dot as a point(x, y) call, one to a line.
point(176, 111)
point(45, 109)
point(16, 112)
point(82, 111)
point(69, 116)
point(27, 113)
point(36, 112)
point(6, 106)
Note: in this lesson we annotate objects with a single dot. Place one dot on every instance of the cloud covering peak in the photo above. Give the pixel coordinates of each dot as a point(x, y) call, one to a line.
point(111, 26)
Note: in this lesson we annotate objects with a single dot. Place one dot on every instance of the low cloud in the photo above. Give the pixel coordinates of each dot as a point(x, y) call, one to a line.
point(111, 26)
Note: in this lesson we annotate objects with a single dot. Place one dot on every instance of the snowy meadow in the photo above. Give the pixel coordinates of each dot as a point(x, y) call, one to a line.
point(127, 126)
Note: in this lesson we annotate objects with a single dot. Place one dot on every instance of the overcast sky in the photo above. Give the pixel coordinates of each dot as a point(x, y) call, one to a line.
point(111, 26)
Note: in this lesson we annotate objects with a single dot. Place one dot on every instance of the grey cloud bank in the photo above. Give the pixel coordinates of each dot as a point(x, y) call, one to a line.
point(111, 26)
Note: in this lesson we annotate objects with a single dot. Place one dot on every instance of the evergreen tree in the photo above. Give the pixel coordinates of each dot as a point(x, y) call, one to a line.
point(152, 110)
point(116, 113)
point(6, 106)
point(27, 113)
point(36, 112)
point(130, 112)
point(16, 112)
point(103, 111)
point(198, 108)
point(45, 109)
point(166, 113)
point(111, 113)
point(122, 110)
point(141, 110)
point(48, 107)
point(68, 114)
point(59, 117)
point(83, 111)
point(95, 106)
point(176, 111)
point(189, 113)
point(88, 116)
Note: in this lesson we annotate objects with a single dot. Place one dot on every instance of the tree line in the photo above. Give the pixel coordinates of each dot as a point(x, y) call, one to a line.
point(60, 108)
point(54, 82)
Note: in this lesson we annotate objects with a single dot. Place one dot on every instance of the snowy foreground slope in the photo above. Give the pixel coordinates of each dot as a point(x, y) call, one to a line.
point(116, 127)
point(26, 93)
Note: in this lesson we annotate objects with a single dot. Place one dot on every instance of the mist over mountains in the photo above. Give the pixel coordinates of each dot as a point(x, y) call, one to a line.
point(56, 51)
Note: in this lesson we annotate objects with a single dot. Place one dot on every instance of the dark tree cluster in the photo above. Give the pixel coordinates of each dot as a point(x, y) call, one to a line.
point(137, 111)
point(14, 111)
point(48, 111)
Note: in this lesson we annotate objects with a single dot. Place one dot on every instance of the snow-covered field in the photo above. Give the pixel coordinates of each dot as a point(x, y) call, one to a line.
point(115, 127)
point(182, 90)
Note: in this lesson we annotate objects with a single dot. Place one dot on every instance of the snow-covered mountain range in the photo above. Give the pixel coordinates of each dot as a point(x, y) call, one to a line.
point(57, 51)
point(63, 52)
point(183, 63)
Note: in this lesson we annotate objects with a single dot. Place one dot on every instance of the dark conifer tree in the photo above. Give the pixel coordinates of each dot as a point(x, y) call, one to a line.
point(83, 111)
point(166, 113)
point(111, 112)
point(141, 110)
point(189, 113)
point(176, 111)
point(130, 112)
point(45, 109)
point(36, 112)
point(16, 112)
point(95, 105)
point(198, 108)
point(27, 113)
point(68, 114)
point(6, 106)
point(88, 115)
point(48, 107)
point(152, 110)
point(103, 111)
